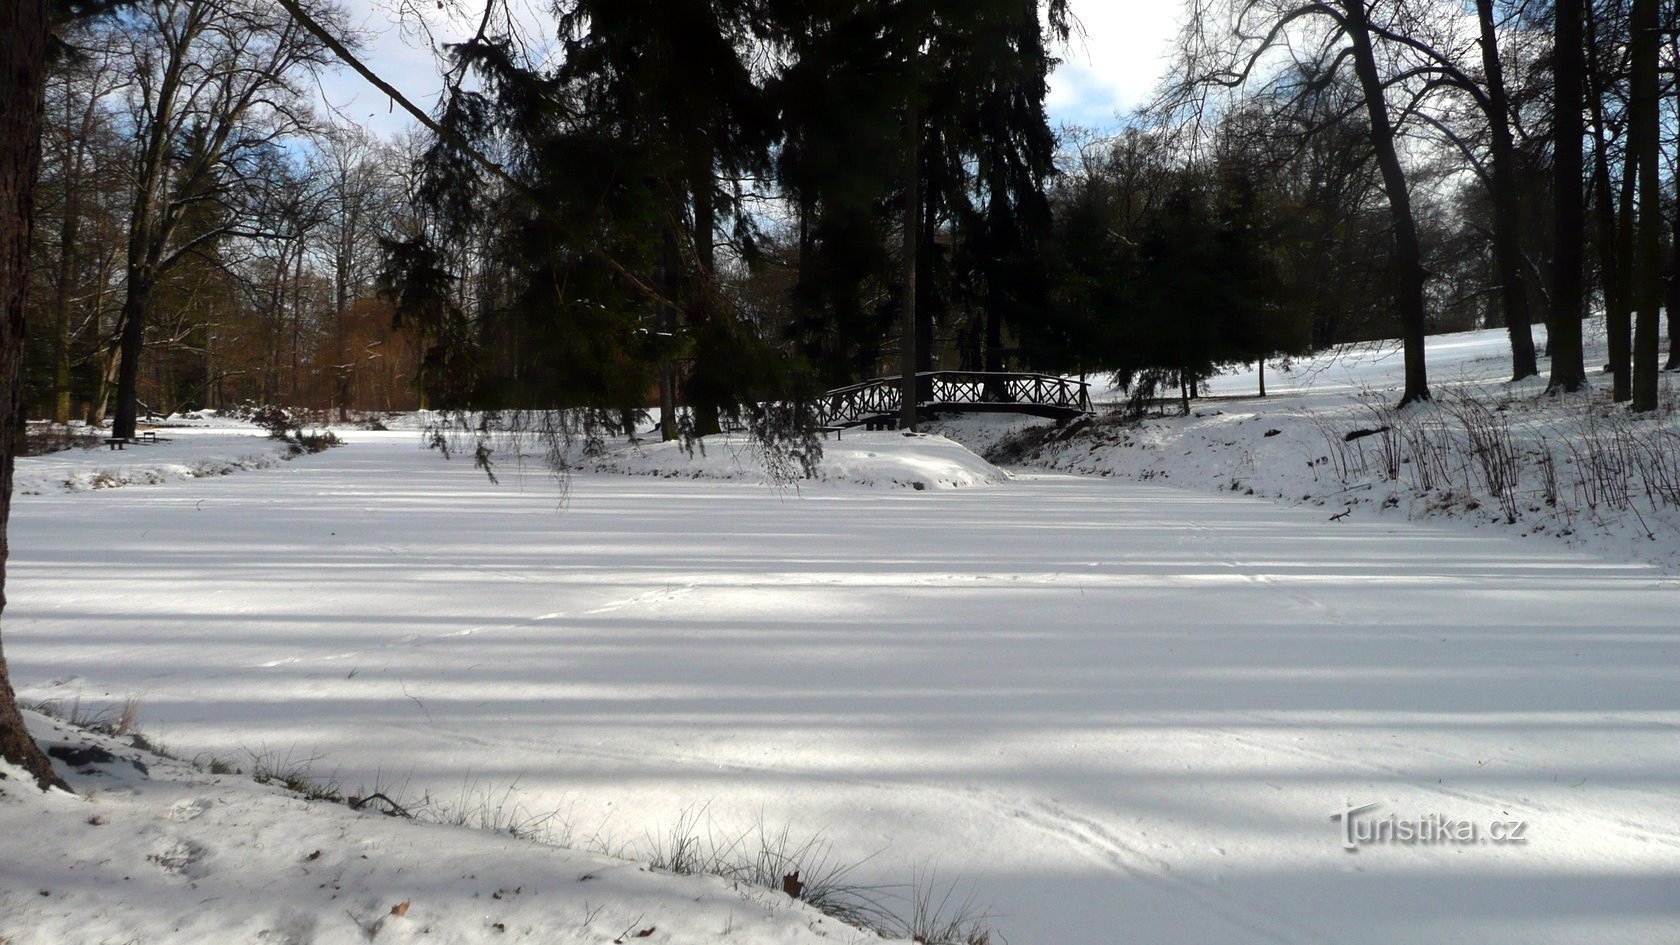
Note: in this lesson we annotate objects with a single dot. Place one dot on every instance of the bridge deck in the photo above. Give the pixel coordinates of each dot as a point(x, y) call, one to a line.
point(1044, 395)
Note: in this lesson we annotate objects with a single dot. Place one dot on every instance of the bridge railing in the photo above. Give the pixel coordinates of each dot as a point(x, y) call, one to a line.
point(882, 396)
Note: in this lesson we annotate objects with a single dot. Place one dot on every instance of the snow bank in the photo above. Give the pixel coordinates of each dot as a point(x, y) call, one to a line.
point(1293, 447)
point(178, 454)
point(884, 460)
point(154, 850)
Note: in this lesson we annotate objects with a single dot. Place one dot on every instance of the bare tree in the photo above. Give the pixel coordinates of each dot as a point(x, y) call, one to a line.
point(1613, 217)
point(1232, 44)
point(1645, 146)
point(1569, 217)
point(80, 158)
point(1507, 243)
point(216, 82)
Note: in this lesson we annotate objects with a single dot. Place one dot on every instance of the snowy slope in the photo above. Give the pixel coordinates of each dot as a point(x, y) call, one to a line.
point(880, 459)
point(1291, 446)
point(1107, 710)
point(184, 453)
point(153, 850)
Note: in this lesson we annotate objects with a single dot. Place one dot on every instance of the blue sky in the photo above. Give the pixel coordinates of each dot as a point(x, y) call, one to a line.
point(1110, 68)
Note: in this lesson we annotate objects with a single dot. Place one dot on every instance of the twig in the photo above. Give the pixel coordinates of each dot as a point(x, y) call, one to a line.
point(626, 933)
point(397, 810)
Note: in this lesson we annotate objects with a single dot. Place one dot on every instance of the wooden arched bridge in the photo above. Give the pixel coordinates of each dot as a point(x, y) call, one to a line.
point(878, 401)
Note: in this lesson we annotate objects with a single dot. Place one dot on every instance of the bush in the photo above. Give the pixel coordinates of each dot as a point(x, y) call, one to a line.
point(315, 441)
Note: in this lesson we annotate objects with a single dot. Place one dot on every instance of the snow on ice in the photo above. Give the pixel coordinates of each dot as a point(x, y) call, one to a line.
point(1105, 710)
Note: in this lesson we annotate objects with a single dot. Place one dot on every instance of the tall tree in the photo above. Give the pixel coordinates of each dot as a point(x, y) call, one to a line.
point(1227, 43)
point(23, 66)
point(216, 82)
point(908, 390)
point(1645, 144)
point(1612, 217)
point(1569, 214)
point(1408, 257)
point(80, 173)
point(1507, 242)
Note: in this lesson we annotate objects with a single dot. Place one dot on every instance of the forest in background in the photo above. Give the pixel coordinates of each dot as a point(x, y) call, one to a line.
point(721, 203)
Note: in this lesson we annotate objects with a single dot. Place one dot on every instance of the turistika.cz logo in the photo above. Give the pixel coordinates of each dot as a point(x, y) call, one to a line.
point(1360, 829)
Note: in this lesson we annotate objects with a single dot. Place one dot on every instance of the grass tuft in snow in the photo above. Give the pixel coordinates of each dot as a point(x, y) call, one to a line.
point(114, 719)
point(294, 774)
point(936, 915)
point(806, 868)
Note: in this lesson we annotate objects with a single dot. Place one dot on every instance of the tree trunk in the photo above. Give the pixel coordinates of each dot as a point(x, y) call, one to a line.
point(1673, 362)
point(22, 77)
point(1262, 377)
point(668, 324)
point(1644, 143)
point(925, 287)
point(1408, 258)
point(1569, 217)
point(912, 213)
point(1507, 243)
point(1613, 238)
point(101, 401)
point(706, 420)
point(297, 320)
point(1673, 307)
point(61, 307)
point(1619, 325)
point(129, 350)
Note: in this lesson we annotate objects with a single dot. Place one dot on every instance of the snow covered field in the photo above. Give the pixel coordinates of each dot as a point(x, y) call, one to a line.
point(1576, 470)
point(1110, 711)
point(856, 457)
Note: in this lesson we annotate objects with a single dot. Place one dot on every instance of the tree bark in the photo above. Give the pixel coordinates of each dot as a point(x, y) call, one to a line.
point(702, 183)
point(1408, 257)
point(668, 325)
point(1643, 132)
point(129, 349)
point(1507, 243)
point(912, 214)
point(1673, 306)
point(61, 303)
point(1569, 218)
point(1613, 238)
point(1673, 362)
point(22, 83)
point(1618, 326)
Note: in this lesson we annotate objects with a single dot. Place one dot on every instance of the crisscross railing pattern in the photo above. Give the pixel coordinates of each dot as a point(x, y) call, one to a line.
point(956, 391)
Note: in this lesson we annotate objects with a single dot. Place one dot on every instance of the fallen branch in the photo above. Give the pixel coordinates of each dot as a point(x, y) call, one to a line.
point(396, 810)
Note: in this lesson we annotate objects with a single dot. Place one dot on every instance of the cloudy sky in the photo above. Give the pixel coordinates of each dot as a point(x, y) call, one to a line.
point(1111, 68)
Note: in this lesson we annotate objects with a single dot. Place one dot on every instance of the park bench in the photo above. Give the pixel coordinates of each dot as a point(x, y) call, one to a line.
point(118, 442)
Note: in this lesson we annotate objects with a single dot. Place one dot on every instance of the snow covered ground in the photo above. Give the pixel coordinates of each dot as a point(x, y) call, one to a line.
point(1422, 463)
point(176, 454)
point(1108, 710)
point(157, 850)
point(856, 457)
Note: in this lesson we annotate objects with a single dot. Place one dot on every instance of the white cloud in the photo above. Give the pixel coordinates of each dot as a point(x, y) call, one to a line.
point(1117, 64)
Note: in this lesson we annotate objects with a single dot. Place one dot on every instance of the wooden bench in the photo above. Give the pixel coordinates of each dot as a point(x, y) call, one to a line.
point(144, 436)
